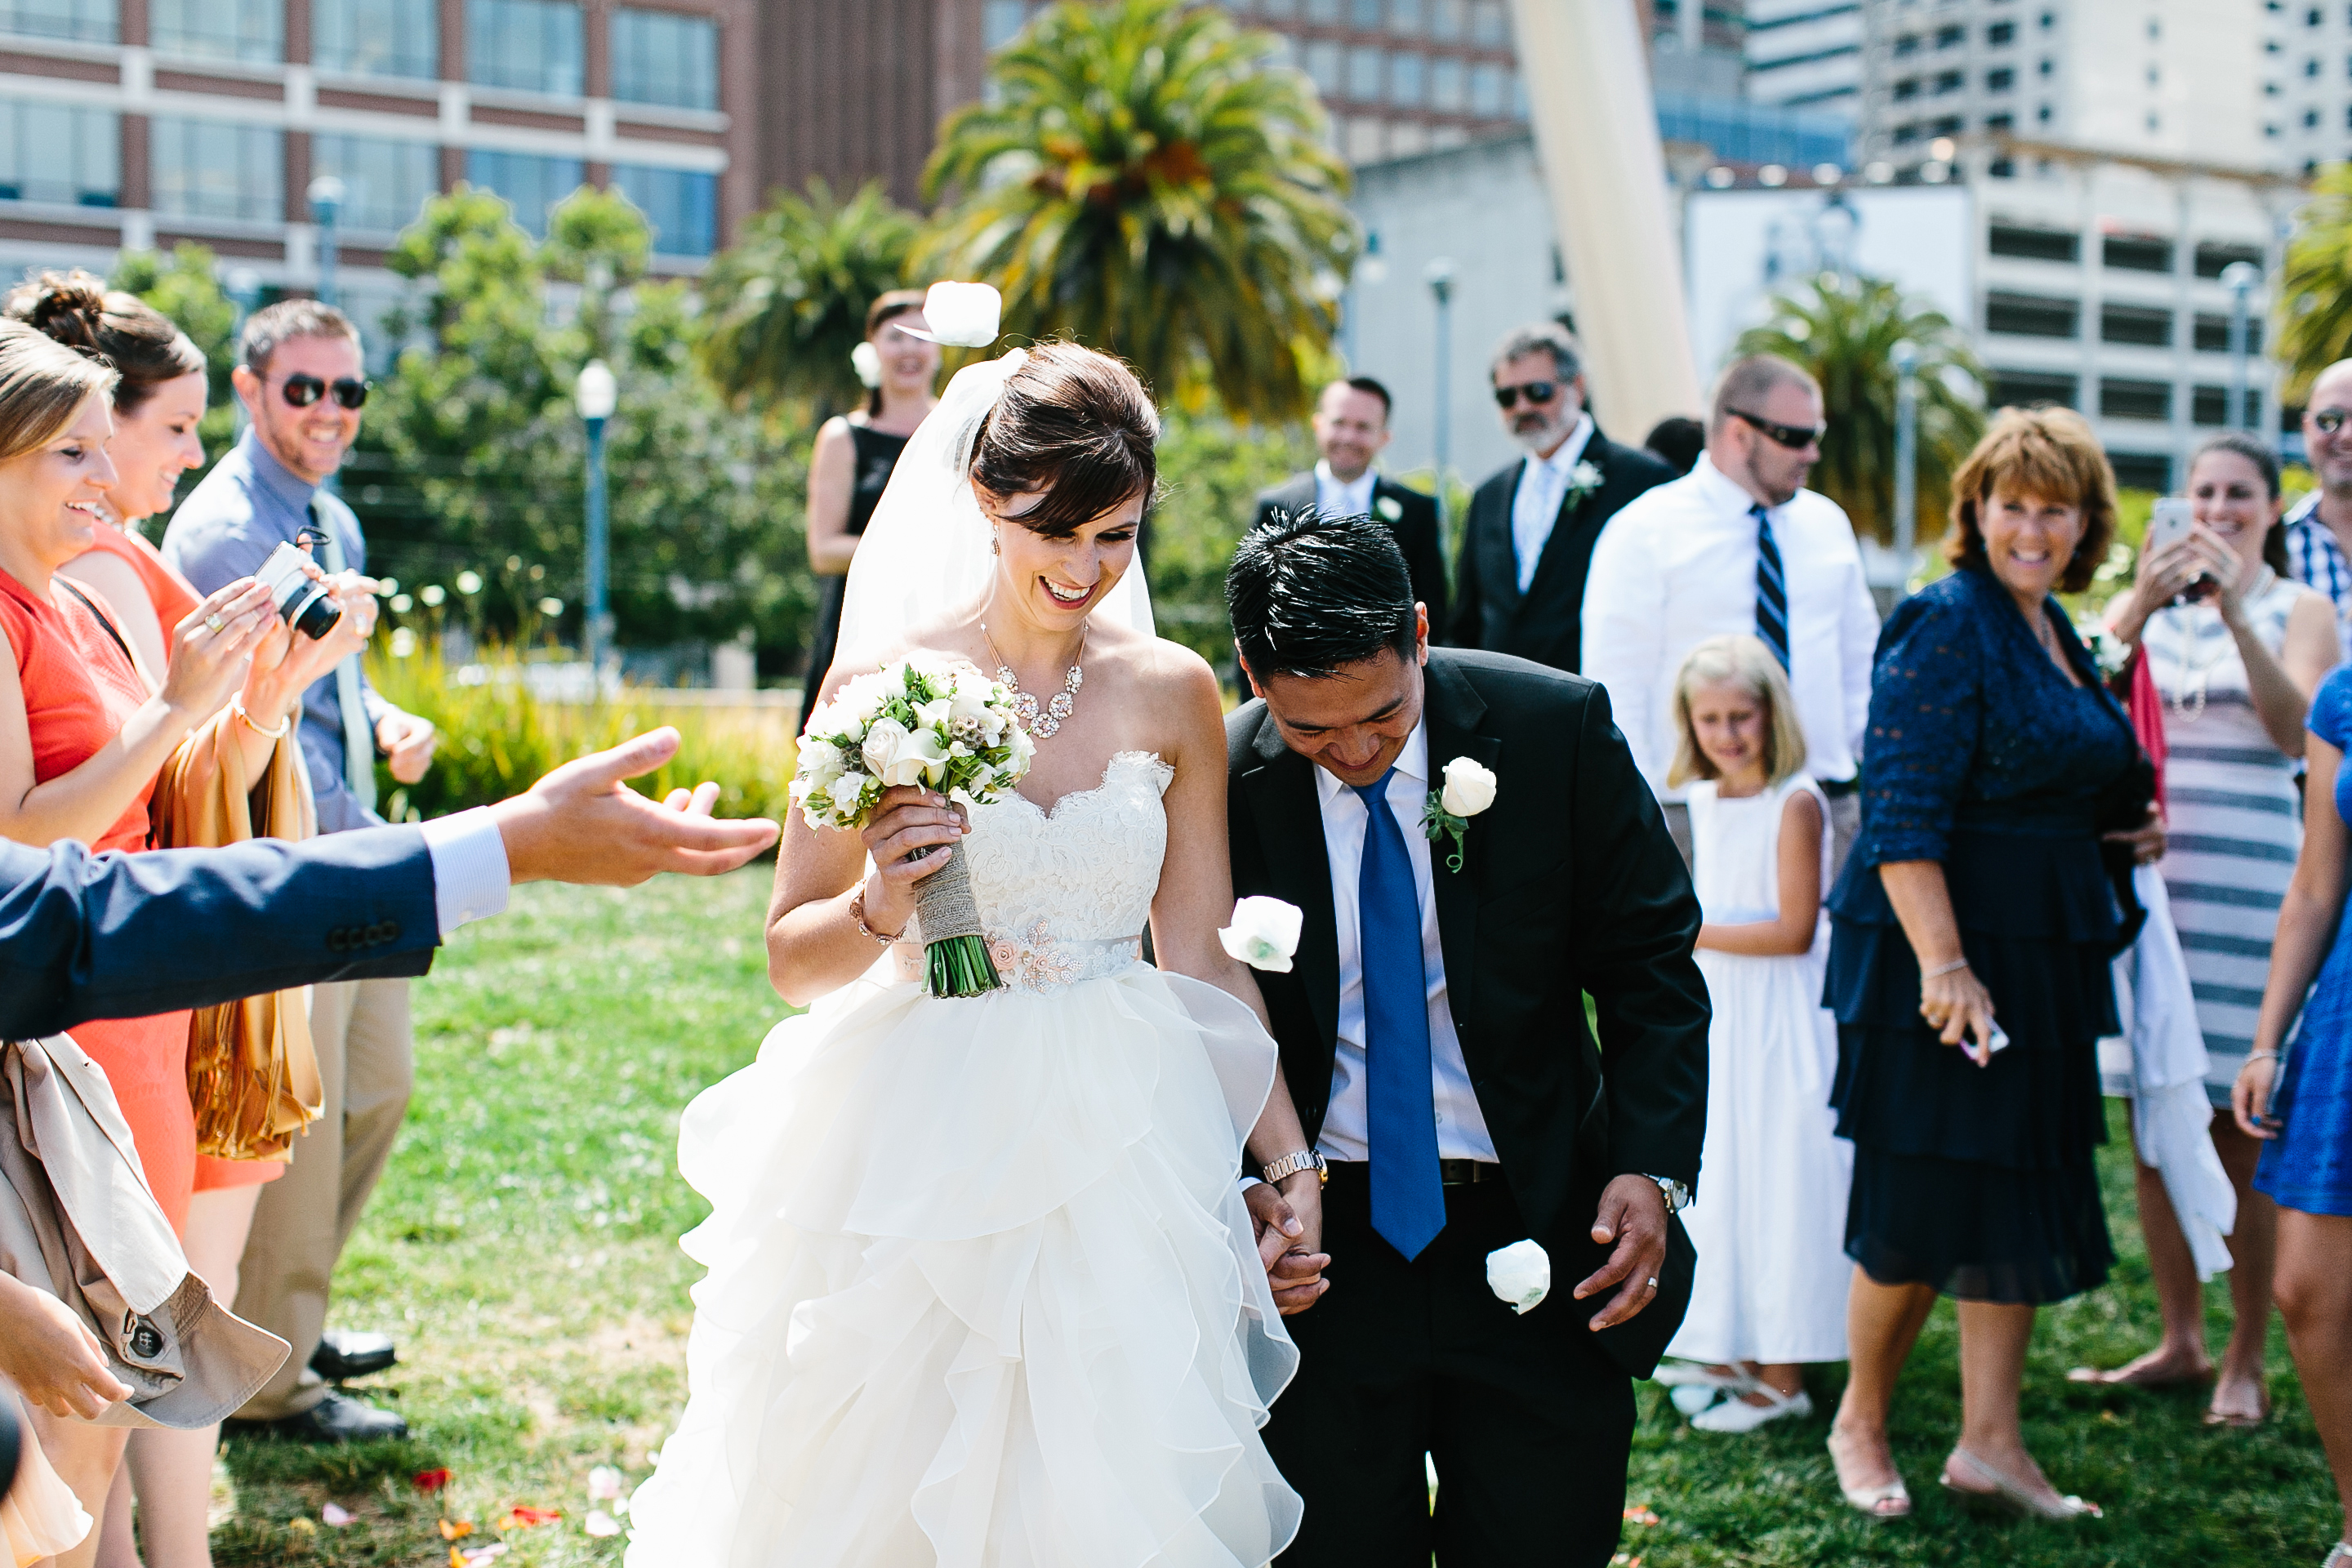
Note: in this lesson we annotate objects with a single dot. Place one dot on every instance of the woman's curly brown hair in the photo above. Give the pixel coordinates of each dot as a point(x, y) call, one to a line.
point(2047, 453)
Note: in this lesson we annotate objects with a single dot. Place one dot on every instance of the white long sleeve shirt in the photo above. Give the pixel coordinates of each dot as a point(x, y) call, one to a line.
point(1677, 566)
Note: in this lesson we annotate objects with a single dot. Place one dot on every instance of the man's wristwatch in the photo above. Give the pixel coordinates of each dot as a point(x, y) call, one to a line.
point(1291, 1164)
point(1678, 1195)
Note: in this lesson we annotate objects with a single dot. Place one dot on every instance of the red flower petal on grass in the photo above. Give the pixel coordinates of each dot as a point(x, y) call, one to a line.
point(429, 1480)
point(456, 1529)
point(526, 1518)
point(1640, 1514)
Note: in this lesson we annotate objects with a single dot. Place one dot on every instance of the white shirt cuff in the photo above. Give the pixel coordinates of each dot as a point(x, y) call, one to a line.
point(470, 877)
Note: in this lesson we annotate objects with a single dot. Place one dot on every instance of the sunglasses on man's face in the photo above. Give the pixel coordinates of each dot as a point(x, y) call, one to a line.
point(1538, 393)
point(1796, 438)
point(2328, 421)
point(303, 389)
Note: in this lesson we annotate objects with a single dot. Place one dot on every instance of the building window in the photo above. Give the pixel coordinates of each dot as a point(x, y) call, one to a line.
point(1445, 18)
point(1951, 36)
point(1445, 85)
point(2049, 68)
point(50, 152)
point(2000, 122)
point(2135, 400)
point(385, 182)
point(2311, 18)
point(1001, 21)
point(1323, 10)
point(1908, 44)
point(2042, 115)
point(2049, 20)
point(209, 168)
point(2208, 406)
point(2000, 80)
point(2311, 67)
point(2022, 388)
point(82, 21)
point(1489, 26)
point(2134, 253)
point(1366, 70)
point(2144, 325)
point(1905, 134)
point(2211, 333)
point(2141, 471)
point(377, 38)
point(1323, 65)
point(1950, 81)
point(660, 57)
point(531, 184)
point(681, 205)
point(1945, 125)
point(2001, 33)
point(1405, 16)
point(1908, 88)
point(1405, 82)
point(2214, 257)
point(1487, 100)
point(250, 30)
point(2032, 315)
point(2033, 244)
point(1366, 13)
point(533, 46)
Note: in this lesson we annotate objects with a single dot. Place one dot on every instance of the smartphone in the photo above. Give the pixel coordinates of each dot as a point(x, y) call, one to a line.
point(2170, 522)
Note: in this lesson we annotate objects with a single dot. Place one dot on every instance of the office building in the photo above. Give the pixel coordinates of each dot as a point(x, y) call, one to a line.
point(1805, 53)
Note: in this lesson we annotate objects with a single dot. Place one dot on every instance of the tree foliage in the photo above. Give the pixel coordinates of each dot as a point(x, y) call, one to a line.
point(1140, 178)
point(2315, 324)
point(788, 301)
point(1843, 329)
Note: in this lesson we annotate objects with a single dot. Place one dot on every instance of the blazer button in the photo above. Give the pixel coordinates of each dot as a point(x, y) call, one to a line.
point(339, 939)
point(392, 930)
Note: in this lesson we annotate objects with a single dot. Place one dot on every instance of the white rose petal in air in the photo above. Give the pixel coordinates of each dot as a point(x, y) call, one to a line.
point(601, 1524)
point(1520, 1275)
point(1469, 787)
point(961, 315)
point(604, 1484)
point(867, 361)
point(1264, 934)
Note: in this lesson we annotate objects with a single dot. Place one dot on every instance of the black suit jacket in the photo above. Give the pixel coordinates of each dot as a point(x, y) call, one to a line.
point(1415, 527)
point(1570, 884)
point(1545, 624)
point(124, 936)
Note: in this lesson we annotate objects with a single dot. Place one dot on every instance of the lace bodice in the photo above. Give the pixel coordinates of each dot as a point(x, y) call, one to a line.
point(1065, 893)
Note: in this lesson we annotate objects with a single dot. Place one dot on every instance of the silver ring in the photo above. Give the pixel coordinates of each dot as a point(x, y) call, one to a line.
point(1653, 1284)
point(213, 622)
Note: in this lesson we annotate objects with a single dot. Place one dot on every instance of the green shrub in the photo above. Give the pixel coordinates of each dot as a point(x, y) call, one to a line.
point(497, 739)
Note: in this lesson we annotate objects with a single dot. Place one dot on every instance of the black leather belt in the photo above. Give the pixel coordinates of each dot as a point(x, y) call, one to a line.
point(1838, 789)
point(1467, 1172)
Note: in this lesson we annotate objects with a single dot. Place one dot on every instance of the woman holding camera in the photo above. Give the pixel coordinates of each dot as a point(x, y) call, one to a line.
point(86, 729)
point(2236, 646)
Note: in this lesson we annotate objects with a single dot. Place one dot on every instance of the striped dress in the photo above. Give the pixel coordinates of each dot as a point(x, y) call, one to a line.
point(2235, 818)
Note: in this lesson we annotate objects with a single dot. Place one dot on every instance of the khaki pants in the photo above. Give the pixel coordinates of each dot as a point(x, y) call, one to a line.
point(1845, 825)
point(367, 1064)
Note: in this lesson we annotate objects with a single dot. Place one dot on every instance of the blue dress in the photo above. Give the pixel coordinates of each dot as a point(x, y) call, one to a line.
point(1981, 755)
point(2309, 1167)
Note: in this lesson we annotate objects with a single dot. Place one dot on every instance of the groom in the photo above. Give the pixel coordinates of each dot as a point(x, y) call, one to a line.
point(1433, 1032)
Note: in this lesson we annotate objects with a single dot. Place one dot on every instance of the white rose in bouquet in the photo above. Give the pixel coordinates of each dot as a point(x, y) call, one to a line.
point(900, 756)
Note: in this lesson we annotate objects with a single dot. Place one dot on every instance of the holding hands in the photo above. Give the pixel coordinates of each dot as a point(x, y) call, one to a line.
point(1289, 1218)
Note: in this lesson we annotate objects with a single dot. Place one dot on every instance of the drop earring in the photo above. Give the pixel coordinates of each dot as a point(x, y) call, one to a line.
point(995, 542)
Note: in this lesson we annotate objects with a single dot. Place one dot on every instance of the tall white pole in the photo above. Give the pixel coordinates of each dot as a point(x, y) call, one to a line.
point(1587, 85)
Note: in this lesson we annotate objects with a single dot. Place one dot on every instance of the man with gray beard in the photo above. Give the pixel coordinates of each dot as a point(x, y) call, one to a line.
point(1520, 583)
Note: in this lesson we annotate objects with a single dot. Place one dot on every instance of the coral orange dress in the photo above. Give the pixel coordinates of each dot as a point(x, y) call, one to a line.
point(173, 598)
point(80, 688)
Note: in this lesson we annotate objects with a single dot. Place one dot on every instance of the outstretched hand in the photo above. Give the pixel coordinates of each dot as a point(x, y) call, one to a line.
point(1289, 1238)
point(580, 823)
point(1633, 1214)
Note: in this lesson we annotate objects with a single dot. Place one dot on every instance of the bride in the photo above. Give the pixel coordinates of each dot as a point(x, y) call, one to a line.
point(983, 1290)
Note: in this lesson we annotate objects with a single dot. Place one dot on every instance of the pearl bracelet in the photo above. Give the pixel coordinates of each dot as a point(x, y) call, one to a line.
point(857, 913)
point(237, 706)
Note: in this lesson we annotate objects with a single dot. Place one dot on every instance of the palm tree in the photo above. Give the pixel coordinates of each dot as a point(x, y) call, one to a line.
point(1843, 329)
point(1143, 180)
point(788, 301)
point(2314, 328)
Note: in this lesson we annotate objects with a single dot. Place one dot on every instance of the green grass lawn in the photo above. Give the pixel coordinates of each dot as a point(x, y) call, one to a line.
point(524, 1250)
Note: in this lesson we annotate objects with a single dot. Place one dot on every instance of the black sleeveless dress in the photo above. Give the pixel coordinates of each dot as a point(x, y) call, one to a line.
point(877, 453)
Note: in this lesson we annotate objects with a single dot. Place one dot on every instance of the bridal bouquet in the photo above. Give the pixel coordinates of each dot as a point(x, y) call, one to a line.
point(938, 723)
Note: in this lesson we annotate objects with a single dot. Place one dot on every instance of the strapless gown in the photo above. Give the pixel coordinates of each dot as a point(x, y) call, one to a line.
point(981, 1288)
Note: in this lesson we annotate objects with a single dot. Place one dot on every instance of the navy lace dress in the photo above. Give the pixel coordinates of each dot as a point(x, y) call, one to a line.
point(1979, 1181)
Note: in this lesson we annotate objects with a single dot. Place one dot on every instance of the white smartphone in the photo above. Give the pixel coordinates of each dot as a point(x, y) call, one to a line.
point(2170, 522)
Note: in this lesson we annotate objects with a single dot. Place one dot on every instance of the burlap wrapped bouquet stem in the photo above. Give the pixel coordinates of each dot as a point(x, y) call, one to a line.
point(955, 945)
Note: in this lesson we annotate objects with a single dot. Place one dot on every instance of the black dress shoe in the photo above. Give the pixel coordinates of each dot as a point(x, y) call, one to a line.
point(341, 1355)
point(338, 1418)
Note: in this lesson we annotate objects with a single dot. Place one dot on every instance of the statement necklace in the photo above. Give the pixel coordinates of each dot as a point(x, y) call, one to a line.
point(2187, 699)
point(1042, 724)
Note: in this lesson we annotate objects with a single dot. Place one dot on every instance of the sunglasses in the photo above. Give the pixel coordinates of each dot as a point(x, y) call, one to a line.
point(1538, 393)
point(2328, 421)
point(1796, 438)
point(302, 390)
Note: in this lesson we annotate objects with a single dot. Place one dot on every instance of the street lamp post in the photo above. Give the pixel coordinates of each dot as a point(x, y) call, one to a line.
point(2238, 278)
point(596, 393)
point(1440, 277)
point(244, 289)
point(1905, 358)
point(326, 194)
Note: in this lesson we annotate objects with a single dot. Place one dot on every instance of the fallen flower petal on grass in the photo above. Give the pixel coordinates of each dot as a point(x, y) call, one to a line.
point(1640, 1514)
point(473, 1556)
point(604, 1484)
point(303, 1526)
point(336, 1515)
point(600, 1523)
point(529, 1518)
point(429, 1480)
point(456, 1529)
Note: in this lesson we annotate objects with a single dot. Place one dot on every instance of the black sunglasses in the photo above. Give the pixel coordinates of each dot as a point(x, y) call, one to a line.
point(303, 389)
point(1796, 438)
point(1537, 392)
point(2330, 420)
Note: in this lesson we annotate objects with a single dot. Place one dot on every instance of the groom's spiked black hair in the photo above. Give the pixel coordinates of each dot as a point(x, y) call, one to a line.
point(1309, 593)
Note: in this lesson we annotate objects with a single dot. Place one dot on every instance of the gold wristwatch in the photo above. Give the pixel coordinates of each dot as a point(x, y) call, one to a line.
point(1291, 1164)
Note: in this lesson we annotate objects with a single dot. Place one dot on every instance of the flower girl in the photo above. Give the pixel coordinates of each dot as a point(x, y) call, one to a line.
point(1770, 1216)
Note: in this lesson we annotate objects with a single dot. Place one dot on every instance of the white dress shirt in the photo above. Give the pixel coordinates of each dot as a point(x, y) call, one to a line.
point(1461, 1129)
point(1353, 498)
point(1535, 505)
point(1677, 566)
point(470, 875)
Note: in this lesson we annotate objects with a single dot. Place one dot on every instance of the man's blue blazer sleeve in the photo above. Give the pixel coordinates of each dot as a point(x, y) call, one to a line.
point(124, 936)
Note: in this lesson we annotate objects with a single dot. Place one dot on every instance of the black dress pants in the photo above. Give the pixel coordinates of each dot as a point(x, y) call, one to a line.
point(1529, 1422)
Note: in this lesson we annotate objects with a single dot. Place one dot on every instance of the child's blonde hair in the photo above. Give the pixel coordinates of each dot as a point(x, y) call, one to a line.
point(1743, 661)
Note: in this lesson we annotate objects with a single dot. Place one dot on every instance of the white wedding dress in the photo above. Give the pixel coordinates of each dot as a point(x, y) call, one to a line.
point(981, 1288)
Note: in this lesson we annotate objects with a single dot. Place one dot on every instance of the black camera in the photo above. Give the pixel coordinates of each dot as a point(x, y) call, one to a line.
point(300, 598)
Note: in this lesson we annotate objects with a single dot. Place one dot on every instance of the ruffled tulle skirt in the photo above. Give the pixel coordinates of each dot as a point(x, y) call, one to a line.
point(982, 1290)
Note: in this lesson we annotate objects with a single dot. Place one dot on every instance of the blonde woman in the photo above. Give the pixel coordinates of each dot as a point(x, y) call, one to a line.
point(1772, 1271)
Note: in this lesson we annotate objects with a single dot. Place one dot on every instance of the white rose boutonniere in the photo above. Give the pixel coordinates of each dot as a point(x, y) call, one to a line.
point(1582, 480)
point(1390, 508)
point(1264, 934)
point(1467, 788)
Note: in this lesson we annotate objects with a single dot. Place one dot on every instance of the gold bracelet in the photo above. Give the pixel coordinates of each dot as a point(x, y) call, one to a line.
point(857, 913)
point(236, 705)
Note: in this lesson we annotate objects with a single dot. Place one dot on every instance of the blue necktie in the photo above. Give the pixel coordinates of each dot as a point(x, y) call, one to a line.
point(1408, 1195)
point(1771, 588)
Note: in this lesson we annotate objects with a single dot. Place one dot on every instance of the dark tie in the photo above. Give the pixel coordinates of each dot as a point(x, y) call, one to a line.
point(1408, 1195)
point(1771, 588)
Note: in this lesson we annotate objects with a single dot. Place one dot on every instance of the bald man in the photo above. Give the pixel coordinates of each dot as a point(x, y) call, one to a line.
point(2319, 529)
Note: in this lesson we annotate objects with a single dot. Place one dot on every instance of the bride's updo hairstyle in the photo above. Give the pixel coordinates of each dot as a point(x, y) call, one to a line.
point(122, 330)
point(1075, 425)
